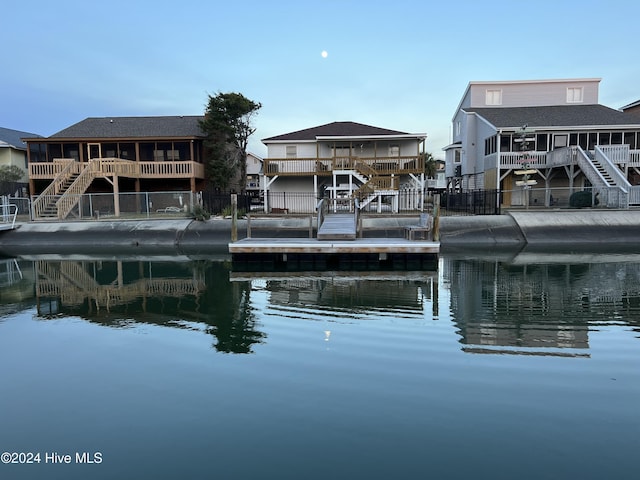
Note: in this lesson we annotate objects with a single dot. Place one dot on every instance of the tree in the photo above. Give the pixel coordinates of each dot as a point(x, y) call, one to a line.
point(9, 175)
point(430, 164)
point(227, 127)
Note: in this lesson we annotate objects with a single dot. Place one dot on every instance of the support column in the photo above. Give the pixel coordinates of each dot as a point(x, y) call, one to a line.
point(116, 196)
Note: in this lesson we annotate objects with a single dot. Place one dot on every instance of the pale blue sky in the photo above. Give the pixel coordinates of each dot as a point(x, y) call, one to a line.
point(400, 64)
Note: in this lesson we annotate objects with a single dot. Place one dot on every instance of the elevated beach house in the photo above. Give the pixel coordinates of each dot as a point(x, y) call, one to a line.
point(114, 155)
point(383, 168)
point(537, 142)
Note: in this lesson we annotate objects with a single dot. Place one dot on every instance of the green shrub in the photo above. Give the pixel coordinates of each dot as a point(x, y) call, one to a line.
point(199, 213)
point(227, 212)
point(582, 199)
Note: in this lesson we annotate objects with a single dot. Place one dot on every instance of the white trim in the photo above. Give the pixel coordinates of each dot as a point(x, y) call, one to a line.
point(550, 80)
point(373, 137)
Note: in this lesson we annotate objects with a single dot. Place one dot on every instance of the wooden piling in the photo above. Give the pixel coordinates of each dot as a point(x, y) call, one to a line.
point(234, 217)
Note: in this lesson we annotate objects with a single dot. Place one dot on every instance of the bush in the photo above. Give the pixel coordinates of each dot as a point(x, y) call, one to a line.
point(226, 212)
point(200, 214)
point(582, 199)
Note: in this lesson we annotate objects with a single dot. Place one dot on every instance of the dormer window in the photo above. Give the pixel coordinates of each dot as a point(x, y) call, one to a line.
point(575, 95)
point(493, 97)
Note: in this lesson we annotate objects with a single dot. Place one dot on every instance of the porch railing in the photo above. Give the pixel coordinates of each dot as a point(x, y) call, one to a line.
point(326, 166)
point(121, 167)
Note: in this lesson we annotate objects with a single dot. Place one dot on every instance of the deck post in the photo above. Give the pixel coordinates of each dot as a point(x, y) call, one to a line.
point(234, 217)
point(436, 217)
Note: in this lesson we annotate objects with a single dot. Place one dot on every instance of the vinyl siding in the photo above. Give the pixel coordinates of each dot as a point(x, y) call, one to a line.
point(532, 94)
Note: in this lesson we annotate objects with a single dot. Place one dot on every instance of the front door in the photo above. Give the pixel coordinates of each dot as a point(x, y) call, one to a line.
point(95, 151)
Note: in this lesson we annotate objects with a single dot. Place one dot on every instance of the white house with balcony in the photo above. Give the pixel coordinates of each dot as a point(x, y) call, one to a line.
point(571, 143)
point(383, 168)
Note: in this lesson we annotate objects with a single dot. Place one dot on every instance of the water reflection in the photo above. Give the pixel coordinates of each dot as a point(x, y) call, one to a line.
point(186, 294)
point(546, 308)
point(503, 306)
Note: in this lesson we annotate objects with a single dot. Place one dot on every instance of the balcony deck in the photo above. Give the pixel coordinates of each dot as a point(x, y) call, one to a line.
point(619, 154)
point(330, 165)
point(108, 167)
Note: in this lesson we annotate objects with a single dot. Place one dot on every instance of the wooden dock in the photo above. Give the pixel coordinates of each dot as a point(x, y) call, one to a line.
point(359, 253)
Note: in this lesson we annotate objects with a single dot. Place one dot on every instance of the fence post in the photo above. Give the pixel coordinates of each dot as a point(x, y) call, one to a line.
point(234, 217)
point(436, 217)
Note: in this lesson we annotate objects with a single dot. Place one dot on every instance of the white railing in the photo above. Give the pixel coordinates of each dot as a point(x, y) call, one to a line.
point(515, 159)
point(609, 164)
point(6, 217)
point(611, 196)
point(634, 195)
point(561, 157)
point(618, 154)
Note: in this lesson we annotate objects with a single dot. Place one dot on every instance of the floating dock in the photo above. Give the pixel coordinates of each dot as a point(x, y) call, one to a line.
point(297, 253)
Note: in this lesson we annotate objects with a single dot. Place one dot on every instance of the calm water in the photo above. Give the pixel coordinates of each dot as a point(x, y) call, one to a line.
point(523, 367)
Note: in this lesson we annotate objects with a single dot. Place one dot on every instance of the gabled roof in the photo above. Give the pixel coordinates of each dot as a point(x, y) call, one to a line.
point(337, 129)
point(12, 138)
point(631, 105)
point(134, 127)
point(556, 116)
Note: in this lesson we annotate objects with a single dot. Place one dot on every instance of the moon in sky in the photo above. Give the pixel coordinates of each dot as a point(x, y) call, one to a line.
point(324, 54)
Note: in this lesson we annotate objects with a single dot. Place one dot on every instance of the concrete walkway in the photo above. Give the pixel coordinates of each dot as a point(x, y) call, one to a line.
point(557, 228)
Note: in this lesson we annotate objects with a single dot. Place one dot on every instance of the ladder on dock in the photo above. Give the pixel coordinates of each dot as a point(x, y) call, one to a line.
point(334, 225)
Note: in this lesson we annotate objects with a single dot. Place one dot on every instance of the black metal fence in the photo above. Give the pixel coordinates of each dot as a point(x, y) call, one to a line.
point(216, 202)
point(476, 202)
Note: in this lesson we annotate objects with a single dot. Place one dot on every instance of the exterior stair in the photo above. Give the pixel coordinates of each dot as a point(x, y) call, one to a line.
point(56, 202)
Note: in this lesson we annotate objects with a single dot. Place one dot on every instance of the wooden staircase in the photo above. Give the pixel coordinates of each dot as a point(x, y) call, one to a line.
point(64, 192)
point(604, 173)
point(369, 190)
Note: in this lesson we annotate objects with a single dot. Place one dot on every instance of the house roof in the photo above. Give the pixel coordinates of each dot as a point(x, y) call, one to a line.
point(631, 105)
point(12, 138)
point(337, 129)
point(555, 116)
point(134, 127)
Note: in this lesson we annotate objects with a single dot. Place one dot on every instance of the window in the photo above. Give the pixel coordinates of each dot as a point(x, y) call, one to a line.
point(493, 97)
point(630, 139)
point(505, 142)
point(574, 95)
point(292, 151)
point(394, 150)
point(490, 145)
point(560, 141)
point(542, 141)
point(457, 156)
point(458, 128)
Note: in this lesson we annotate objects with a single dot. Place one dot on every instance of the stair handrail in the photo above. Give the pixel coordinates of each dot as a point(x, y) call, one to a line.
point(322, 208)
point(7, 216)
point(49, 194)
point(72, 195)
point(356, 215)
point(600, 183)
point(618, 177)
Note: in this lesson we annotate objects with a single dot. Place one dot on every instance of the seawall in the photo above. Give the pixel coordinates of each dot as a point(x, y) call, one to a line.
point(534, 229)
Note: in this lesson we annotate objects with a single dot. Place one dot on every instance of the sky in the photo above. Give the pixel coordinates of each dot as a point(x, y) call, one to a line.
point(402, 65)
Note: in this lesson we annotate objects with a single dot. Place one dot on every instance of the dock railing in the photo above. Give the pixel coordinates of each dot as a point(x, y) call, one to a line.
point(7, 217)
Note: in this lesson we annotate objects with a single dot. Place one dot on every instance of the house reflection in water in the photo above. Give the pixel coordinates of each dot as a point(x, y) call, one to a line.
point(179, 294)
point(391, 293)
point(538, 309)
